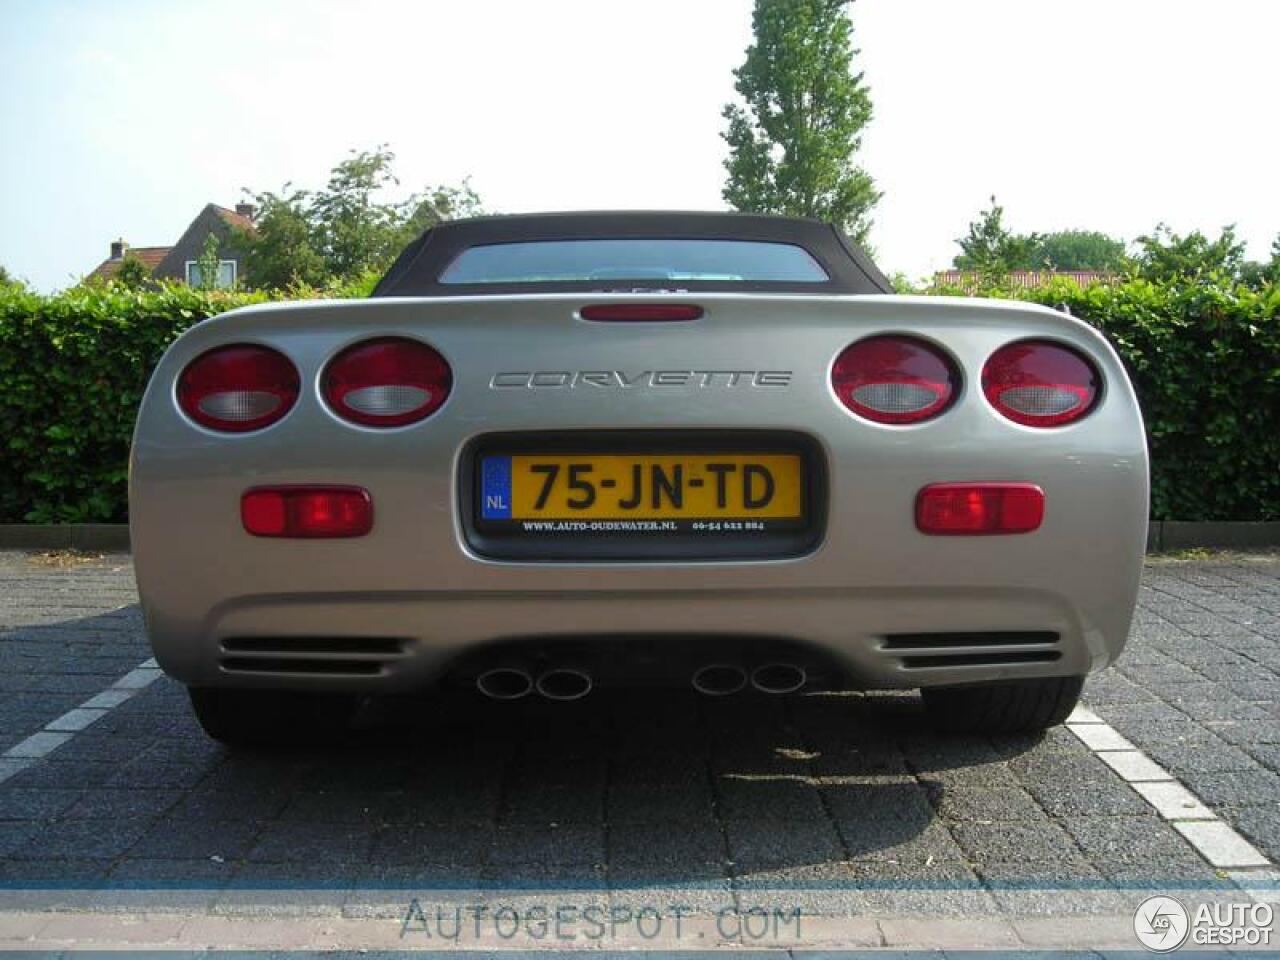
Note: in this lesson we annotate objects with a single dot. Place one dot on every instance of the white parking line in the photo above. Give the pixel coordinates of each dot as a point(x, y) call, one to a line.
point(1214, 839)
point(1220, 844)
point(1099, 736)
point(1133, 765)
point(1173, 801)
point(61, 730)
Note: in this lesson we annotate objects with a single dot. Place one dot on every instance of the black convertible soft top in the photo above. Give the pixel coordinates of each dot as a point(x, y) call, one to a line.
point(416, 272)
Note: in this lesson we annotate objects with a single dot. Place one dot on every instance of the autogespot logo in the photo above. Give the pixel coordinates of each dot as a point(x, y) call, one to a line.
point(1161, 924)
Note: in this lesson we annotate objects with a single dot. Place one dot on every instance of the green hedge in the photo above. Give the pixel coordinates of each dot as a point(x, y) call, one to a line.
point(72, 371)
point(1205, 360)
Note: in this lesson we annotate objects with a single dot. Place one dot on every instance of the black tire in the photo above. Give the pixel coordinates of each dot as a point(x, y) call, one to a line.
point(272, 718)
point(1009, 706)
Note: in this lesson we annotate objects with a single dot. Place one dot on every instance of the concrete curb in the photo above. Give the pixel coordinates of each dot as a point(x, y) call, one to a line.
point(64, 536)
point(1161, 535)
point(1235, 535)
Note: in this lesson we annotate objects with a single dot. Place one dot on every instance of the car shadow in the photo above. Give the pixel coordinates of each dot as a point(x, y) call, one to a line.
point(645, 788)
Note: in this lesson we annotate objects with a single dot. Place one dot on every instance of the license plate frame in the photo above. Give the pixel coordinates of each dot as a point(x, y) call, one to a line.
point(656, 539)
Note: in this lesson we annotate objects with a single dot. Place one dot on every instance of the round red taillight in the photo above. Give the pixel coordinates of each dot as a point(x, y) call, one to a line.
point(238, 388)
point(895, 379)
point(387, 382)
point(1040, 384)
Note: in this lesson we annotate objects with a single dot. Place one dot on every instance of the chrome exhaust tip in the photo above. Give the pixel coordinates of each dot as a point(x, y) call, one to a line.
point(505, 683)
point(564, 683)
point(719, 679)
point(778, 678)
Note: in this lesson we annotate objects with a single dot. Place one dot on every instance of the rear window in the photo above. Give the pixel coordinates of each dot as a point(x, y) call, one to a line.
point(568, 261)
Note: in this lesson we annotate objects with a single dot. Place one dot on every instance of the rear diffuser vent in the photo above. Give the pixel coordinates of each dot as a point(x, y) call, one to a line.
point(319, 656)
point(923, 651)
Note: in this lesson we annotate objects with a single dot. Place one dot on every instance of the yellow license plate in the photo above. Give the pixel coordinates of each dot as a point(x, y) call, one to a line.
point(642, 487)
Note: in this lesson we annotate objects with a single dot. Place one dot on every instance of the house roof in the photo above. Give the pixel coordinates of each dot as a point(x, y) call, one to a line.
point(212, 219)
point(1024, 279)
point(233, 219)
point(154, 258)
point(150, 257)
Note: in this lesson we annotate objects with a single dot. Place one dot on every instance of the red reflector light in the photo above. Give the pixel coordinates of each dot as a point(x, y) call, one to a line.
point(641, 312)
point(307, 512)
point(979, 509)
point(238, 388)
point(387, 382)
point(1040, 384)
point(894, 379)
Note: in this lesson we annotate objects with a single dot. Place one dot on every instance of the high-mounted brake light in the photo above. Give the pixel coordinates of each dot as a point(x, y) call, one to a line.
point(641, 312)
point(238, 388)
point(388, 382)
point(1040, 384)
point(893, 379)
point(307, 512)
point(979, 509)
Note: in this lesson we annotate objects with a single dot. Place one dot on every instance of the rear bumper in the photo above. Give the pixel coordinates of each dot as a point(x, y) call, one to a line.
point(402, 641)
point(415, 580)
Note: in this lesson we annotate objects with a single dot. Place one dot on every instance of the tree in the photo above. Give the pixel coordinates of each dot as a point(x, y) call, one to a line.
point(1080, 250)
point(354, 231)
point(1257, 274)
point(992, 248)
point(347, 230)
point(1164, 255)
point(280, 252)
point(209, 263)
point(436, 205)
point(133, 273)
point(793, 138)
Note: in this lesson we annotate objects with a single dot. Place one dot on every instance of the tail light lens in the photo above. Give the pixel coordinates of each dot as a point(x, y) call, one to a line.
point(307, 512)
point(387, 382)
point(238, 388)
point(979, 509)
point(1040, 384)
point(894, 379)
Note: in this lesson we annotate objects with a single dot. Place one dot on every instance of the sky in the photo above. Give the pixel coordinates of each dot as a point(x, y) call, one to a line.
point(122, 118)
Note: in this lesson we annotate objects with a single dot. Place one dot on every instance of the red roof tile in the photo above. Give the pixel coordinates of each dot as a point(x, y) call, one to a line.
point(150, 257)
point(233, 219)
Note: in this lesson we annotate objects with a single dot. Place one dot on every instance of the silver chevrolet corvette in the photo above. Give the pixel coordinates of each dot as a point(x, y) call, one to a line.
point(556, 454)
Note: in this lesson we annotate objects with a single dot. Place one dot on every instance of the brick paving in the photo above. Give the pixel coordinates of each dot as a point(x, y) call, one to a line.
point(1198, 688)
point(66, 634)
point(839, 804)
